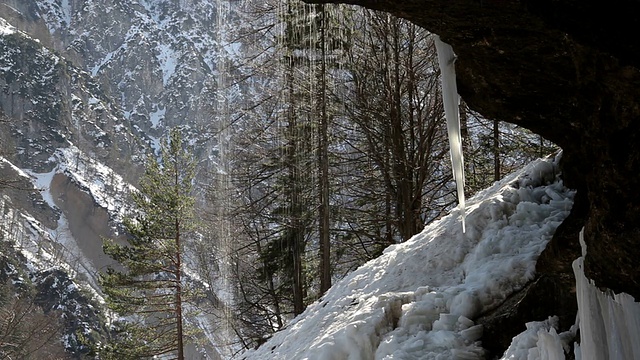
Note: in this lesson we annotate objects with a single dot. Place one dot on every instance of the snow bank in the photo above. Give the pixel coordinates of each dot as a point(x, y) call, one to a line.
point(418, 299)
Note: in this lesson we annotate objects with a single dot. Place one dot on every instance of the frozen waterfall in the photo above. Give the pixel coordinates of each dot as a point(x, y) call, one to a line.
point(446, 59)
point(609, 323)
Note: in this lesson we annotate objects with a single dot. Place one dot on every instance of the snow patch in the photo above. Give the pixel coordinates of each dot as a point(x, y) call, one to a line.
point(155, 144)
point(157, 116)
point(168, 59)
point(106, 60)
point(5, 28)
point(56, 13)
point(42, 181)
point(99, 180)
point(15, 168)
point(65, 8)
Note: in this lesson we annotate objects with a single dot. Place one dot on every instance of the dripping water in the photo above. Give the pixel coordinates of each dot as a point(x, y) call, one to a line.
point(222, 229)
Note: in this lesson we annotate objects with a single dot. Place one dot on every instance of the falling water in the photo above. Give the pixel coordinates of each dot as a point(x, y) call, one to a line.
point(223, 182)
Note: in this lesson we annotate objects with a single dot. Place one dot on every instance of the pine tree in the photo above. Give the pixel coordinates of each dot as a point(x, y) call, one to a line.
point(150, 291)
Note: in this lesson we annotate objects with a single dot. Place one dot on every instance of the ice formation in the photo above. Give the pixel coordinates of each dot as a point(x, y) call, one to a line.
point(609, 323)
point(446, 59)
point(540, 341)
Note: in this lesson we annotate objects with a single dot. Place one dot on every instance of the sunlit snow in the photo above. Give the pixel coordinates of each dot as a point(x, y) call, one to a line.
point(418, 299)
point(42, 181)
point(66, 12)
point(5, 28)
point(540, 341)
point(107, 59)
point(103, 185)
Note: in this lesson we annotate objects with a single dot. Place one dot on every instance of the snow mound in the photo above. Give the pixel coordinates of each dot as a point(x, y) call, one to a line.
point(418, 299)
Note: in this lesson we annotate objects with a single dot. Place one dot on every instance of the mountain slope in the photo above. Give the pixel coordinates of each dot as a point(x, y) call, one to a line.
point(67, 127)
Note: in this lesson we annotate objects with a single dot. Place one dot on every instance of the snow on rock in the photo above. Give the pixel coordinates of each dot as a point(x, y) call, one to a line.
point(6, 28)
point(100, 181)
point(609, 323)
point(157, 116)
point(451, 100)
point(19, 171)
point(56, 13)
point(418, 300)
point(168, 58)
point(42, 182)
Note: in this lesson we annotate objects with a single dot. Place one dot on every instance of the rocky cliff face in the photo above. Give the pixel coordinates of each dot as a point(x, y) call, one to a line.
point(87, 89)
point(107, 79)
point(48, 103)
point(155, 57)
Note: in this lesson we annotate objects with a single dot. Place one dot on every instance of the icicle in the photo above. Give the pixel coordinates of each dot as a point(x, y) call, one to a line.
point(451, 100)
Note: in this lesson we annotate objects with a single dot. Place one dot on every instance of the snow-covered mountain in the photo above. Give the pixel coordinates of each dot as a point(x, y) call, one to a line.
point(87, 89)
point(155, 57)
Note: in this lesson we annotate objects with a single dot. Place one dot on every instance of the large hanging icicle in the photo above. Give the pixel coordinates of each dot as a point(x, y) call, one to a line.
point(446, 59)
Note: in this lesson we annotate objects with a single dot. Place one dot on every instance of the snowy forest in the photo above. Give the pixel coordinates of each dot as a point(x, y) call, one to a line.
point(280, 180)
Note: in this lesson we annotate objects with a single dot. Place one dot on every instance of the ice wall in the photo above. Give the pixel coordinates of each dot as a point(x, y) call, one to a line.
point(609, 323)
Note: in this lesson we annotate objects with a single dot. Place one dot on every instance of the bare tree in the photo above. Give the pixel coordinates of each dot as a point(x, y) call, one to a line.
point(398, 174)
point(26, 331)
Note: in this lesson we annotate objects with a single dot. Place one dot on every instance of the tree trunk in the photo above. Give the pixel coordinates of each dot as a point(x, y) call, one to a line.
point(294, 233)
point(323, 164)
point(179, 331)
point(496, 151)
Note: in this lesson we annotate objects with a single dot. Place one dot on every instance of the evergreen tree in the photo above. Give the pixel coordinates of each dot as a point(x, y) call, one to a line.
point(150, 291)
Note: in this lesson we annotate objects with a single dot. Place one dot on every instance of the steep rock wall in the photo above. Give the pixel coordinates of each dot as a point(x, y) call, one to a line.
point(88, 222)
